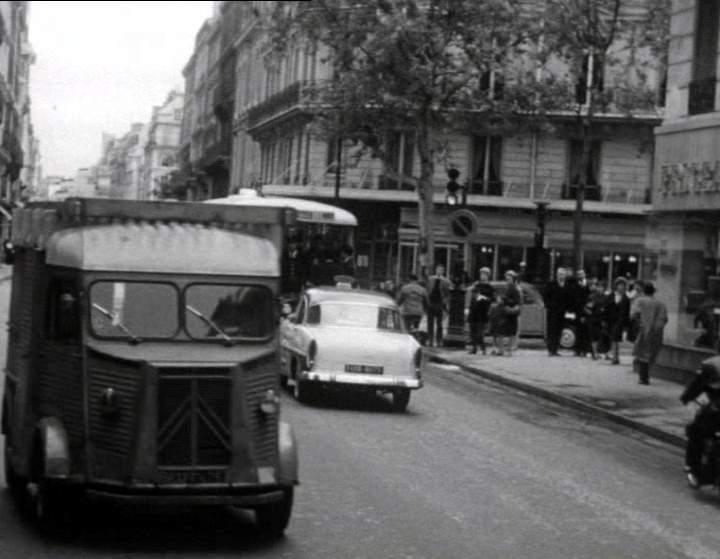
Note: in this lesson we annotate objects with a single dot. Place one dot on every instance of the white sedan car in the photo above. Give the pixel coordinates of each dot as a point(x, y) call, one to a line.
point(349, 338)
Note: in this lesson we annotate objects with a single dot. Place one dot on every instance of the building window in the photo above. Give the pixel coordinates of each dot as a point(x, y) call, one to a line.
point(591, 76)
point(492, 82)
point(486, 162)
point(701, 98)
point(592, 171)
point(331, 164)
point(400, 150)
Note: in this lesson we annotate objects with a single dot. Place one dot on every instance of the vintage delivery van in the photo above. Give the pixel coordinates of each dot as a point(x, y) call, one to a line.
point(142, 359)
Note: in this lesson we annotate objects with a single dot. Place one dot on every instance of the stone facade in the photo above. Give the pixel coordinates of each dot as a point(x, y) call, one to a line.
point(684, 231)
point(162, 145)
point(19, 149)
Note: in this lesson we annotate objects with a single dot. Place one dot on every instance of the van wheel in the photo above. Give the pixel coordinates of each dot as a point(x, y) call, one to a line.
point(44, 504)
point(272, 519)
point(15, 484)
point(400, 400)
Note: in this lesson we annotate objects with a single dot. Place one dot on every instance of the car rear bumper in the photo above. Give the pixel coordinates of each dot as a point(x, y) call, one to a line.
point(360, 379)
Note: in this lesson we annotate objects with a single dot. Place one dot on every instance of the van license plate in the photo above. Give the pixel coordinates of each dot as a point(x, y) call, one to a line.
point(367, 369)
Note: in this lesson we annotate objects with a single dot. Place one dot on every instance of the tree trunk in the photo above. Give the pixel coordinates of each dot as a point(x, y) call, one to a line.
point(425, 191)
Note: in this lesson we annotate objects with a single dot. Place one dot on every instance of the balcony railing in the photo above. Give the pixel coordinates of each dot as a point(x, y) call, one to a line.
point(488, 188)
point(275, 104)
point(701, 98)
point(593, 192)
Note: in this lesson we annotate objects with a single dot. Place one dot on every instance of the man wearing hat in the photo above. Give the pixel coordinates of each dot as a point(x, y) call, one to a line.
point(477, 306)
point(511, 304)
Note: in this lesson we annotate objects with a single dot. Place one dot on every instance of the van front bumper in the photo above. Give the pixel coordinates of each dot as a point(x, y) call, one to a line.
point(360, 379)
point(182, 496)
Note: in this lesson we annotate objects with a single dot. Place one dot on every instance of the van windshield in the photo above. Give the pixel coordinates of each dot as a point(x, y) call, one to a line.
point(224, 311)
point(134, 309)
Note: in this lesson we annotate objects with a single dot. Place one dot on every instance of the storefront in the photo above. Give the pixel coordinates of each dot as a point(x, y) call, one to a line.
point(684, 230)
point(501, 238)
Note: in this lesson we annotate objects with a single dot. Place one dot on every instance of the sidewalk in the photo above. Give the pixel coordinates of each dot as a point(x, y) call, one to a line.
point(591, 386)
point(5, 272)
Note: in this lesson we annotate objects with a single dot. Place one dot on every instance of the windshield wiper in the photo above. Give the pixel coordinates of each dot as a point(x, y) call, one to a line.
point(227, 339)
point(115, 320)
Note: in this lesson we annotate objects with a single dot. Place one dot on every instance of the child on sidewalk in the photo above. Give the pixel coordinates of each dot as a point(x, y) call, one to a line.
point(497, 322)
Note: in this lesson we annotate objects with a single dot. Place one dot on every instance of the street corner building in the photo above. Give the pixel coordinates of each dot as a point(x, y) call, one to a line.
point(684, 226)
point(272, 144)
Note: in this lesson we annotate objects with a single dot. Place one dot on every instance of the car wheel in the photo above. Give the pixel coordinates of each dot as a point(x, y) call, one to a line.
point(400, 400)
point(568, 338)
point(272, 519)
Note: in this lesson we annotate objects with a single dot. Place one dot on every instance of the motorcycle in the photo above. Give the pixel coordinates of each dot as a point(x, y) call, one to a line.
point(706, 384)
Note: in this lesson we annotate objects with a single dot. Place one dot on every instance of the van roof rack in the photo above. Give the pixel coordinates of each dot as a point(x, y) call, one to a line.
point(33, 224)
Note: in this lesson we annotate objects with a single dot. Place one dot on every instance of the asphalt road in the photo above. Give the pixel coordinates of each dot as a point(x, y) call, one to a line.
point(470, 471)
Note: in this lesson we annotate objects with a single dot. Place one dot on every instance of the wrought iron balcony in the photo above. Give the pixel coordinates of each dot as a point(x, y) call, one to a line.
point(701, 98)
point(276, 104)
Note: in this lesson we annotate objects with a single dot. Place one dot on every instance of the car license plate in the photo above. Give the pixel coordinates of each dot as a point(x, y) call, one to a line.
point(367, 369)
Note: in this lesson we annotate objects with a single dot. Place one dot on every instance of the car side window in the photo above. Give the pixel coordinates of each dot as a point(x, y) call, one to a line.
point(313, 314)
point(528, 299)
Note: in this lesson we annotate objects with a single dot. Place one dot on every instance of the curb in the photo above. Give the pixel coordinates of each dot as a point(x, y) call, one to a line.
point(567, 401)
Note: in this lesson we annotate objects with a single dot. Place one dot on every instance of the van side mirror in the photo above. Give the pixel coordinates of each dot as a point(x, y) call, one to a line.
point(8, 253)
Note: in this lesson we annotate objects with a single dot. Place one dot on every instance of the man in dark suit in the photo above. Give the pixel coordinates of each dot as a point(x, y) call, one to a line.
point(559, 299)
point(617, 315)
point(581, 296)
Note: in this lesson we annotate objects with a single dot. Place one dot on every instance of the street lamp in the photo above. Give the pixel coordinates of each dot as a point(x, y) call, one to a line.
point(541, 220)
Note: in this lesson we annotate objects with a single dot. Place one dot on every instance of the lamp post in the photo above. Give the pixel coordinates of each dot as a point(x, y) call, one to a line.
point(541, 219)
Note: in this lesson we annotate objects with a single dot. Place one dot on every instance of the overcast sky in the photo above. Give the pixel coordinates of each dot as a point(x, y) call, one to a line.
point(101, 66)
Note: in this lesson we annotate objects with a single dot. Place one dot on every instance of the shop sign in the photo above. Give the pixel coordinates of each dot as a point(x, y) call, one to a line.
point(686, 179)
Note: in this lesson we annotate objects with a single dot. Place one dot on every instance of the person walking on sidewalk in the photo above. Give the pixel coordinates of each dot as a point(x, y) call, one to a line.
point(558, 300)
point(593, 312)
point(582, 294)
point(497, 322)
point(477, 309)
point(413, 303)
point(617, 316)
point(651, 315)
point(511, 303)
point(438, 298)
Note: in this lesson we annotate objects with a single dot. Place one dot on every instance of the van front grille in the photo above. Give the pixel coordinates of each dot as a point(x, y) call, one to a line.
point(194, 418)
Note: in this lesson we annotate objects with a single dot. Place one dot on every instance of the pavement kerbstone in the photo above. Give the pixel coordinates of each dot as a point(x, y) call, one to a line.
point(596, 387)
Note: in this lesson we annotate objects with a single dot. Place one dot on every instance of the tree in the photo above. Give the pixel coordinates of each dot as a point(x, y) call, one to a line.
point(425, 67)
point(592, 36)
point(416, 67)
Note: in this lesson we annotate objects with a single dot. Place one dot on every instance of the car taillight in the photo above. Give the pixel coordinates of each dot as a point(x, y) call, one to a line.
point(312, 353)
point(418, 361)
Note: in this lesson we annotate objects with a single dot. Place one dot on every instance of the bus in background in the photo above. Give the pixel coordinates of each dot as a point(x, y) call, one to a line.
point(317, 248)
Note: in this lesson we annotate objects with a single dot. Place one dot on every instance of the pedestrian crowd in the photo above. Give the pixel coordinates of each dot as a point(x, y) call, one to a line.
point(600, 316)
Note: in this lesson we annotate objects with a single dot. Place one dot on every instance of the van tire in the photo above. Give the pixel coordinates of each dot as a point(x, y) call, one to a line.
point(15, 483)
point(272, 519)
